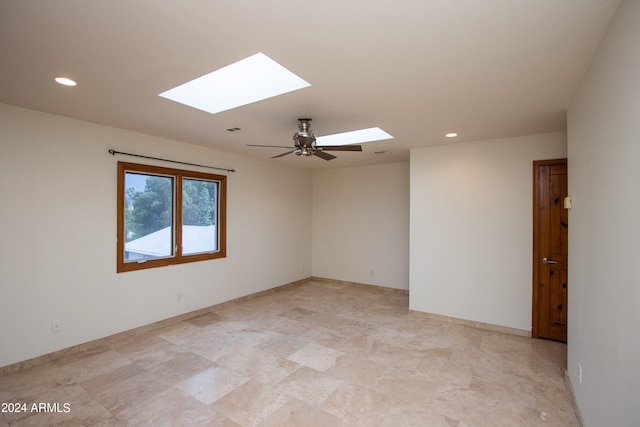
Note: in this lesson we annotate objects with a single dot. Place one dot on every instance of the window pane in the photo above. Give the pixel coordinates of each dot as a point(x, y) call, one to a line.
point(199, 216)
point(148, 229)
point(151, 199)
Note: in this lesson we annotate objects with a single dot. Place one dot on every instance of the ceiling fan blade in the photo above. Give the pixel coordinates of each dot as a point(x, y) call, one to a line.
point(340, 147)
point(323, 155)
point(283, 154)
point(273, 146)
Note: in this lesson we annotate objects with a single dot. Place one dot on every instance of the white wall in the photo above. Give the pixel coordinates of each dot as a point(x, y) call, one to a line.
point(361, 224)
point(604, 232)
point(471, 228)
point(58, 228)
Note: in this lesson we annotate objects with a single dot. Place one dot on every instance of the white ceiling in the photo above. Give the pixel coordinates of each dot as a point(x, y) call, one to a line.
point(416, 68)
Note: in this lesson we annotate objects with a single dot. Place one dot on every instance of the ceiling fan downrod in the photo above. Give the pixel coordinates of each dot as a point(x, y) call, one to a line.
point(303, 125)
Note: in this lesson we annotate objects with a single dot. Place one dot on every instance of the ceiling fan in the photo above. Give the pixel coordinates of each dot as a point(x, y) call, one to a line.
point(305, 144)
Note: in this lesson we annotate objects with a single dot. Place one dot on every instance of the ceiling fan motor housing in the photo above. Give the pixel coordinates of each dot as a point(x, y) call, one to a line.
point(304, 139)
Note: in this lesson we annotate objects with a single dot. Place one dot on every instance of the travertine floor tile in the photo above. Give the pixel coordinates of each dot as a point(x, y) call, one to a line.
point(178, 333)
point(357, 371)
point(250, 404)
point(180, 368)
point(406, 388)
point(94, 365)
point(418, 416)
point(298, 413)
point(309, 385)
point(357, 405)
point(27, 385)
point(211, 384)
point(170, 408)
point(318, 354)
point(210, 346)
point(123, 387)
point(283, 345)
point(147, 350)
point(259, 365)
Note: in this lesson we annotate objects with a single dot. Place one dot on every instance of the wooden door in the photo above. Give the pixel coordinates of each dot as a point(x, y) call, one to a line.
point(550, 249)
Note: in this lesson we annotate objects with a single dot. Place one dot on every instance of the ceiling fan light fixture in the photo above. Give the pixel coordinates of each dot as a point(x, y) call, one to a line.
point(303, 152)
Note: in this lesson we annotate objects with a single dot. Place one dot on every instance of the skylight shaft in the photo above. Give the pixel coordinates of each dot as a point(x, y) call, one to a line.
point(250, 80)
point(353, 137)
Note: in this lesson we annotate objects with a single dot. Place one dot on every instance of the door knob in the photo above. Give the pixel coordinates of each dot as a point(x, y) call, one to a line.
point(545, 260)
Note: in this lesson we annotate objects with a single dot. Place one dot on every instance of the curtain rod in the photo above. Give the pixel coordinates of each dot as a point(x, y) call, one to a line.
point(114, 152)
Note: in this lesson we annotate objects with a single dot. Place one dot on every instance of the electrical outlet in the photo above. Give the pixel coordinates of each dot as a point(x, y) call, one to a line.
point(56, 326)
point(579, 374)
point(178, 297)
point(373, 273)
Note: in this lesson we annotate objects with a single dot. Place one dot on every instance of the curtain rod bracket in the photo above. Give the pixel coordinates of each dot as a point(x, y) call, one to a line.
point(114, 152)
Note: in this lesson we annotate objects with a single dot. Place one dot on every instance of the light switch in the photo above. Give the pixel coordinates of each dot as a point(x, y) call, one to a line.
point(567, 202)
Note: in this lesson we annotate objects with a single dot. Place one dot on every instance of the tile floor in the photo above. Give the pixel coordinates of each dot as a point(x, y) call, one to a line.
point(316, 354)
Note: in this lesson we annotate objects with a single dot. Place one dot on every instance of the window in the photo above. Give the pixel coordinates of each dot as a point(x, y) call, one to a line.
point(169, 216)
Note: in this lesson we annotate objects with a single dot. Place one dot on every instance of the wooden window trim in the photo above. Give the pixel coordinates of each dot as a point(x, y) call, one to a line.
point(178, 175)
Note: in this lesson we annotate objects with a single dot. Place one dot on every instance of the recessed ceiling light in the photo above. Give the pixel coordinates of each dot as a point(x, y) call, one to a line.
point(451, 135)
point(353, 137)
point(65, 81)
point(244, 82)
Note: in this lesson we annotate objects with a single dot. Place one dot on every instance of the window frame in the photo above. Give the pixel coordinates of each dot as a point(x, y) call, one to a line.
point(177, 258)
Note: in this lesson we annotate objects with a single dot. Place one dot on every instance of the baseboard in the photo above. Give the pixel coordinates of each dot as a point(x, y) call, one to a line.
point(569, 386)
point(473, 324)
point(90, 345)
point(363, 285)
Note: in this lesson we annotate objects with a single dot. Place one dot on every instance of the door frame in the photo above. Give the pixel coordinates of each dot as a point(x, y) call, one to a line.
point(537, 164)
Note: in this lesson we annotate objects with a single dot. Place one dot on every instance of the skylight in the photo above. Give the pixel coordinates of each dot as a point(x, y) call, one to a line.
point(244, 82)
point(353, 137)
